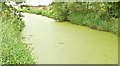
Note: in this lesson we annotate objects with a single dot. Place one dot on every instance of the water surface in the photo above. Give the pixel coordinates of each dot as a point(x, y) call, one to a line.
point(66, 43)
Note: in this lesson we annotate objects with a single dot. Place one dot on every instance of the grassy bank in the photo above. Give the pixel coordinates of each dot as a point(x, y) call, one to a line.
point(98, 21)
point(13, 51)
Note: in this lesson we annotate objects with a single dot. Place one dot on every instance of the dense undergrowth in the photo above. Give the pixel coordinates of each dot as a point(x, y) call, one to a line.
point(99, 16)
point(13, 51)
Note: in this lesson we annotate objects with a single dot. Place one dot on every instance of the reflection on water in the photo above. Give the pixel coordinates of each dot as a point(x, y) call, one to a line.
point(66, 43)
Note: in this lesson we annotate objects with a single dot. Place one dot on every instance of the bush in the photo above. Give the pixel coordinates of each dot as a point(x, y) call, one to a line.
point(13, 51)
point(81, 19)
point(93, 21)
point(44, 12)
point(115, 29)
point(61, 11)
point(38, 12)
point(104, 26)
point(76, 18)
point(50, 13)
point(89, 20)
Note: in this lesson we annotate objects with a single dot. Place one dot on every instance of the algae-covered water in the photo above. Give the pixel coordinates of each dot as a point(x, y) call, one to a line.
point(66, 43)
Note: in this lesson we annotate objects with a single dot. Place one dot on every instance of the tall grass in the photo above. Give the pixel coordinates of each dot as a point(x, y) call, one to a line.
point(13, 51)
point(95, 22)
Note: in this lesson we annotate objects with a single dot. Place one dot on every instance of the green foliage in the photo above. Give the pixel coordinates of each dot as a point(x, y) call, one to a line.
point(112, 8)
point(26, 6)
point(100, 15)
point(81, 19)
point(75, 18)
point(13, 51)
point(104, 26)
point(95, 15)
point(44, 13)
point(93, 21)
point(61, 11)
point(18, 2)
point(50, 13)
point(38, 12)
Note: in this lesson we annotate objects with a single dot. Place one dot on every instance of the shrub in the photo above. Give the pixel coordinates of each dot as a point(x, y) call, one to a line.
point(115, 29)
point(38, 12)
point(82, 19)
point(60, 10)
point(50, 13)
point(13, 51)
point(44, 13)
point(76, 18)
point(89, 20)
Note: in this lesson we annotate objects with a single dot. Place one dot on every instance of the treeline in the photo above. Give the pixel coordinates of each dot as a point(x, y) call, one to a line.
point(13, 51)
point(97, 15)
point(104, 10)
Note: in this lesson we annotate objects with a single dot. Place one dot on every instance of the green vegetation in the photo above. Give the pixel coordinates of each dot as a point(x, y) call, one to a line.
point(100, 16)
point(13, 50)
